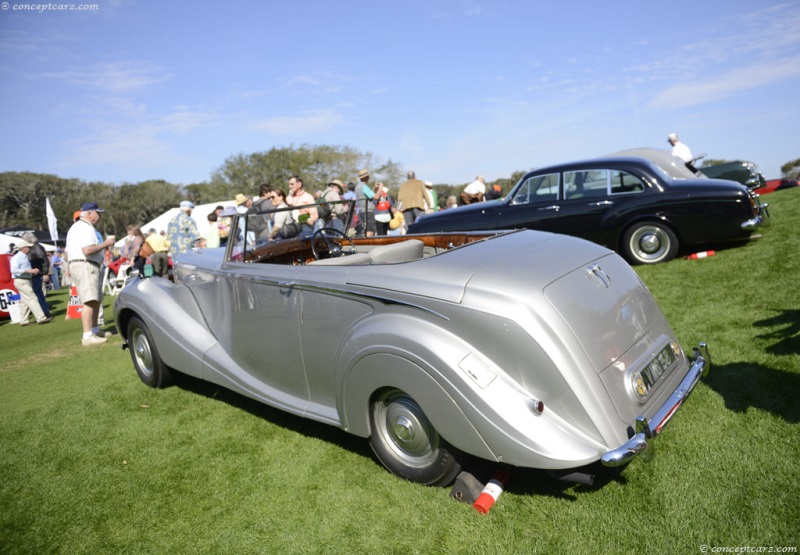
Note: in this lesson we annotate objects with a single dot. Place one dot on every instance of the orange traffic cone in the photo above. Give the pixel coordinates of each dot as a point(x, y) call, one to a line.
point(491, 492)
point(75, 306)
point(704, 254)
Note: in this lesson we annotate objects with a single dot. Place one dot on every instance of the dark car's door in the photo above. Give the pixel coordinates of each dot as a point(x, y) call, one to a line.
point(592, 198)
point(535, 204)
point(581, 203)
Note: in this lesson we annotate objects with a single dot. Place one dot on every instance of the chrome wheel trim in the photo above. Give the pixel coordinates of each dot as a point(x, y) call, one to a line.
point(404, 430)
point(140, 347)
point(649, 243)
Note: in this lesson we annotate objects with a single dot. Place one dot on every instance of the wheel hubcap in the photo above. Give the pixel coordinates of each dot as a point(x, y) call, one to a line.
point(144, 357)
point(404, 429)
point(650, 243)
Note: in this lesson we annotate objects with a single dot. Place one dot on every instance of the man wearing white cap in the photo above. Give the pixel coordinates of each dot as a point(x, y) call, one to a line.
point(23, 274)
point(85, 249)
point(182, 231)
point(679, 149)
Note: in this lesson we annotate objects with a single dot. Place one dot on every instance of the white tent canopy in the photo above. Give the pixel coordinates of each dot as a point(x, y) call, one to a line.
point(7, 240)
point(199, 215)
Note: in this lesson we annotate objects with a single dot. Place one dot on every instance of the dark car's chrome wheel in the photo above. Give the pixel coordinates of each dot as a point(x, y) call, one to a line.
point(406, 442)
point(649, 243)
point(151, 370)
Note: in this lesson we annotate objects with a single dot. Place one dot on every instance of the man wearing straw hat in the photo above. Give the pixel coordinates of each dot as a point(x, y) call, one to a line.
point(23, 274)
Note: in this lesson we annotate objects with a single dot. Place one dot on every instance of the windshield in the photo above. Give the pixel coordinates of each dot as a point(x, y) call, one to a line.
point(254, 227)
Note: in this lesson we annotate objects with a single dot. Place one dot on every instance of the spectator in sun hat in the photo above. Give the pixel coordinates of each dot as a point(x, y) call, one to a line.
point(334, 216)
point(364, 194)
point(85, 248)
point(39, 261)
point(23, 273)
point(243, 200)
point(182, 233)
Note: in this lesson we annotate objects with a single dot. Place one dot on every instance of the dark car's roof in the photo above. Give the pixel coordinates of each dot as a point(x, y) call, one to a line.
point(674, 166)
point(670, 165)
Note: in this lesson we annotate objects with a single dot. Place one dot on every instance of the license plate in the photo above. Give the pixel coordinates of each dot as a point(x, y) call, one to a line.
point(658, 367)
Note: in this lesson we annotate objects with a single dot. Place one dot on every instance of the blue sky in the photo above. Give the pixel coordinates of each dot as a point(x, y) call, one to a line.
point(136, 90)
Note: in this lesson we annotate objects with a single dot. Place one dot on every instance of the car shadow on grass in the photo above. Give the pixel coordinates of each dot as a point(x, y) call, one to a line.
point(541, 483)
point(297, 424)
point(745, 385)
point(523, 481)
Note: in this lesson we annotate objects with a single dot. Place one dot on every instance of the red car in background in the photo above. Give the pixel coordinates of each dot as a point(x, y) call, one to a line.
point(777, 185)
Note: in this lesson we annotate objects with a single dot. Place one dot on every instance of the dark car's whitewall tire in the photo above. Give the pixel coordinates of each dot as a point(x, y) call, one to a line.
point(151, 369)
point(649, 243)
point(407, 444)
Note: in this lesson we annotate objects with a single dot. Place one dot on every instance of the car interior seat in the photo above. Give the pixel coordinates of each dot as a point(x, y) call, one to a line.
point(397, 252)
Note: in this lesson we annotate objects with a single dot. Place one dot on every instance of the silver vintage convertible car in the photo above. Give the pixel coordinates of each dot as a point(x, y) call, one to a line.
point(528, 348)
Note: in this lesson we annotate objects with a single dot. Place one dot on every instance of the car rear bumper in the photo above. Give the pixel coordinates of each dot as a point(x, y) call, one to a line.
point(648, 430)
point(762, 214)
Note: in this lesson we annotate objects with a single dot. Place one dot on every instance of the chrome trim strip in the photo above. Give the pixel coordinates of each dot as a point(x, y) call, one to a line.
point(346, 292)
point(357, 294)
point(652, 428)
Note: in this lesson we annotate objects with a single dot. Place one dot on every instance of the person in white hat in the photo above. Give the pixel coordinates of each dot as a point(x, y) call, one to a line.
point(23, 274)
point(182, 232)
point(679, 149)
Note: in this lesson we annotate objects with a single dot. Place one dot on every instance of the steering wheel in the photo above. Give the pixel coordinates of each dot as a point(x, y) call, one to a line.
point(327, 235)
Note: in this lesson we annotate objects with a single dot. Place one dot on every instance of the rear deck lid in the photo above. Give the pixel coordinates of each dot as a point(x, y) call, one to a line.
point(607, 307)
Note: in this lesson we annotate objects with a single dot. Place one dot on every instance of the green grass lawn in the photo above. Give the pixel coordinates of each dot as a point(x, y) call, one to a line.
point(93, 461)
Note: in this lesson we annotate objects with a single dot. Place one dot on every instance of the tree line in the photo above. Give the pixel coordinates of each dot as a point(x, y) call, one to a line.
point(23, 194)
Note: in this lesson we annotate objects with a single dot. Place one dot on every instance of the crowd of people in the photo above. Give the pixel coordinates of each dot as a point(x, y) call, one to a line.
point(376, 212)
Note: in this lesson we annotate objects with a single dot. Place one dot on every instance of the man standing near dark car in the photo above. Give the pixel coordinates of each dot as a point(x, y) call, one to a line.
point(413, 198)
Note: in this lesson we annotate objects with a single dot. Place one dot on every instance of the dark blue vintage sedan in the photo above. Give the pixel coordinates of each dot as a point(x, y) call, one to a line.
point(644, 204)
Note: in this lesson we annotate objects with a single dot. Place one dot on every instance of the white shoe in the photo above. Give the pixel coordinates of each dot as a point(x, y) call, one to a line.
point(93, 340)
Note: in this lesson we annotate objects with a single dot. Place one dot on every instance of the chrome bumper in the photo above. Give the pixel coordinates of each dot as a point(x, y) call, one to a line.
point(650, 429)
point(762, 215)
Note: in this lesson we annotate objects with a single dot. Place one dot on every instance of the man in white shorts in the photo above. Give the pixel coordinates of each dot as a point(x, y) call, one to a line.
point(85, 248)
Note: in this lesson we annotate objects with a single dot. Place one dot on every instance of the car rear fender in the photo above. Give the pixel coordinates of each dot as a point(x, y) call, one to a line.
point(363, 382)
point(493, 420)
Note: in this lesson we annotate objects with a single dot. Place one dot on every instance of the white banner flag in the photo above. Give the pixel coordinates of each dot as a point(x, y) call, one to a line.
point(51, 221)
